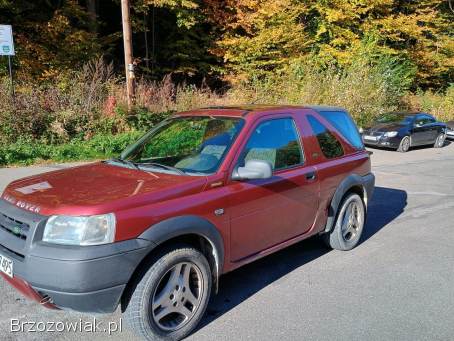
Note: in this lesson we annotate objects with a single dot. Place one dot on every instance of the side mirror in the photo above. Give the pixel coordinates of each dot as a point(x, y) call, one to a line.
point(254, 169)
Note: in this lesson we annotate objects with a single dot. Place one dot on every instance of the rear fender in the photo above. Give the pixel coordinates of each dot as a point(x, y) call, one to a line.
point(366, 183)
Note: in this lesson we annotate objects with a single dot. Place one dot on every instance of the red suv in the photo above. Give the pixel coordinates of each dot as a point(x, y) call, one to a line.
point(201, 194)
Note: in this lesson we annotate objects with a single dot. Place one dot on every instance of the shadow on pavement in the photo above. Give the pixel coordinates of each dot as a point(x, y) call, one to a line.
point(235, 287)
point(386, 205)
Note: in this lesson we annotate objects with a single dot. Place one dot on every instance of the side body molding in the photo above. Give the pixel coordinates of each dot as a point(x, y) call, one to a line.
point(366, 183)
point(190, 224)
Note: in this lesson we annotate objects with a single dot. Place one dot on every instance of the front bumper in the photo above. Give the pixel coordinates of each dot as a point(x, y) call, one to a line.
point(385, 142)
point(450, 134)
point(86, 279)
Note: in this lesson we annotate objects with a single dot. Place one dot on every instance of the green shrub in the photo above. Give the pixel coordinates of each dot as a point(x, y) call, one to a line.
point(142, 119)
point(27, 151)
point(440, 104)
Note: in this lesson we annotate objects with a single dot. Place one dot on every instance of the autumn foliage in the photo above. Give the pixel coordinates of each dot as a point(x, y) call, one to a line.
point(369, 56)
point(260, 36)
point(235, 39)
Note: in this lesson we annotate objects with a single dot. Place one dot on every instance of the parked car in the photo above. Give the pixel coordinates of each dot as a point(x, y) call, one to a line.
point(199, 195)
point(402, 130)
point(450, 132)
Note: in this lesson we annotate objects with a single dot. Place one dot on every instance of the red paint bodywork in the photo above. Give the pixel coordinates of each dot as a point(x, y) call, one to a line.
point(261, 216)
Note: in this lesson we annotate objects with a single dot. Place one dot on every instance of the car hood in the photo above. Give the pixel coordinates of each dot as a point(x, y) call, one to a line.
point(385, 127)
point(96, 189)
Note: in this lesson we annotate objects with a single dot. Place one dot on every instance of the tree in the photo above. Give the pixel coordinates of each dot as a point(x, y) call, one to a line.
point(182, 36)
point(260, 36)
point(50, 36)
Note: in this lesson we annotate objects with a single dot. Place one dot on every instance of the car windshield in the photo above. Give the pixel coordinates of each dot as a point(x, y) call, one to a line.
point(194, 145)
point(397, 118)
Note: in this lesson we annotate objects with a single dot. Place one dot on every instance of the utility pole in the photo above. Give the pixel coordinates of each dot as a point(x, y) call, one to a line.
point(10, 68)
point(127, 42)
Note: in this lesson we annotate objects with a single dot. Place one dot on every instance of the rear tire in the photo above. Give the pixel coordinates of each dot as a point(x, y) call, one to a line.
point(349, 225)
point(440, 141)
point(168, 301)
point(404, 145)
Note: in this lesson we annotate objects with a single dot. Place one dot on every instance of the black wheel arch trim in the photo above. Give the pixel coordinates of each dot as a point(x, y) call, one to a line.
point(366, 182)
point(184, 225)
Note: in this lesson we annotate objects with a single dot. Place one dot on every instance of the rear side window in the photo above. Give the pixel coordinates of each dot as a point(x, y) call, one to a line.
point(345, 125)
point(423, 120)
point(427, 119)
point(275, 141)
point(329, 145)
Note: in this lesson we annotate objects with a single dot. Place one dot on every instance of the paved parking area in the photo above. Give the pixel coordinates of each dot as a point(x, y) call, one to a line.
point(396, 285)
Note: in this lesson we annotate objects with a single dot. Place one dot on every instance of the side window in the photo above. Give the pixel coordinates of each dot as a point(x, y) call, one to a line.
point(430, 119)
point(276, 141)
point(329, 145)
point(345, 125)
point(422, 120)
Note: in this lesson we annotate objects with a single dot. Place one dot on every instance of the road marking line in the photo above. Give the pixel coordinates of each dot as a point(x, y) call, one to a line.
point(431, 193)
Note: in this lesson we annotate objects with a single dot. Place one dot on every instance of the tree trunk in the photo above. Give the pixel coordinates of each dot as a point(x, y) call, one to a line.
point(91, 7)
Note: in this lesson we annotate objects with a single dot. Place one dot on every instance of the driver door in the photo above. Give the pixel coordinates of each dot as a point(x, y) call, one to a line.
point(420, 130)
point(266, 212)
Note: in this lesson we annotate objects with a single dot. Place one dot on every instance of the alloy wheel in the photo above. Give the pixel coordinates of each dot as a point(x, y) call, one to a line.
point(441, 140)
point(406, 144)
point(177, 296)
point(351, 222)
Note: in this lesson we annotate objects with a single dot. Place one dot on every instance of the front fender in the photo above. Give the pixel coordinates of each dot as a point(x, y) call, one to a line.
point(184, 225)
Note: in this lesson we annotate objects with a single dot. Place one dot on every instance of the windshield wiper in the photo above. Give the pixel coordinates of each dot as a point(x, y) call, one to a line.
point(125, 162)
point(157, 164)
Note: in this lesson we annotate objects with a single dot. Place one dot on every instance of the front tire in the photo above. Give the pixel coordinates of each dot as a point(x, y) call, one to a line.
point(440, 141)
point(171, 297)
point(349, 224)
point(404, 145)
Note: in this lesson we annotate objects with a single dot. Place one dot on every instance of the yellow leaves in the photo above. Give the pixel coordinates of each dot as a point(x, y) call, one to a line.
point(333, 14)
point(57, 26)
point(274, 35)
point(186, 10)
point(400, 27)
point(49, 74)
point(171, 3)
point(264, 35)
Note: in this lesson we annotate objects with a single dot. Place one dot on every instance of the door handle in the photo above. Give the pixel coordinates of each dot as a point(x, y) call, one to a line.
point(311, 176)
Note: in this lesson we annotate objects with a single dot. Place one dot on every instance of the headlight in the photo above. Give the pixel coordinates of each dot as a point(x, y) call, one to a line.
point(391, 134)
point(83, 231)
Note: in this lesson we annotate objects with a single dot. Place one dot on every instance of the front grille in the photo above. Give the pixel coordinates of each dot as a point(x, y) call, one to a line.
point(13, 226)
point(3, 248)
point(373, 133)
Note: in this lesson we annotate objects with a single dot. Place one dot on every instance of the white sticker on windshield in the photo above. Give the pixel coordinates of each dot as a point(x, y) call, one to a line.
point(214, 150)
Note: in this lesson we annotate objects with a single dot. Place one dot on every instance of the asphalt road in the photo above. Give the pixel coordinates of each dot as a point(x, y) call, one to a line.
point(398, 284)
